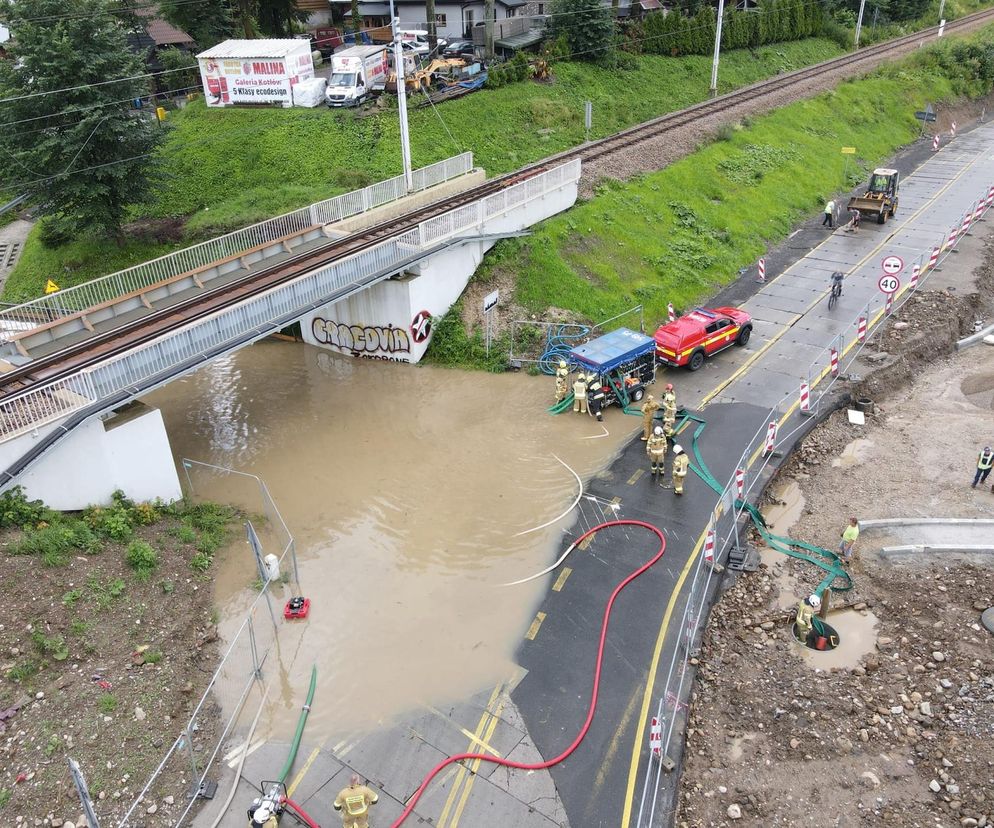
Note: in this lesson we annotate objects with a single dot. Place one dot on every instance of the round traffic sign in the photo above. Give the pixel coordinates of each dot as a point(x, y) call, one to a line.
point(888, 284)
point(892, 265)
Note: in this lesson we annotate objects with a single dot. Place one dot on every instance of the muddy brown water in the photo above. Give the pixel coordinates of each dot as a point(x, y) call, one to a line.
point(404, 488)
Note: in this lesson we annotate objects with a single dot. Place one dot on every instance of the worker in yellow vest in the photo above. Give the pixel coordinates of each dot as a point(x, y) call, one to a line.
point(354, 802)
point(655, 447)
point(984, 462)
point(580, 394)
point(669, 410)
point(562, 381)
point(681, 462)
point(649, 409)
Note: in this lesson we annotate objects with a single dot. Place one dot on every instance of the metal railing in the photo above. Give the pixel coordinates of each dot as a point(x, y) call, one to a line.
point(753, 470)
point(81, 297)
point(213, 723)
point(253, 317)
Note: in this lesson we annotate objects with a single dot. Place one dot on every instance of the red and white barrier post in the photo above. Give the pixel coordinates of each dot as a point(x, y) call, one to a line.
point(935, 144)
point(861, 330)
point(771, 437)
point(990, 196)
point(709, 546)
point(979, 211)
point(655, 737)
point(967, 221)
point(761, 271)
point(951, 240)
point(952, 130)
point(915, 273)
point(805, 397)
point(933, 259)
point(834, 361)
point(888, 304)
point(670, 313)
point(740, 483)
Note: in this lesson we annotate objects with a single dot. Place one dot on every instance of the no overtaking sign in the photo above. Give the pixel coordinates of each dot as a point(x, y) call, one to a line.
point(892, 265)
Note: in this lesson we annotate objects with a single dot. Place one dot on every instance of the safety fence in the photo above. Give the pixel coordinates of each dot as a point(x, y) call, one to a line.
point(75, 299)
point(183, 771)
point(268, 311)
point(784, 422)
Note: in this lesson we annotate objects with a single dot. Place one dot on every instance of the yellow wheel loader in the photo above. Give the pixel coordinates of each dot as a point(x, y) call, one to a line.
point(880, 198)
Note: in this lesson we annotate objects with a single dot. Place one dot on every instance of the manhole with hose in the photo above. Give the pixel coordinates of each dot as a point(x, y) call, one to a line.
point(979, 389)
point(822, 636)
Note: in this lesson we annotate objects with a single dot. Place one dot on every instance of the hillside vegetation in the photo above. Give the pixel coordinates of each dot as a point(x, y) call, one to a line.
point(228, 168)
point(680, 234)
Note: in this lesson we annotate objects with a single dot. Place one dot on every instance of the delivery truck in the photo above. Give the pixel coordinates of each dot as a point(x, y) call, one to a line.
point(356, 73)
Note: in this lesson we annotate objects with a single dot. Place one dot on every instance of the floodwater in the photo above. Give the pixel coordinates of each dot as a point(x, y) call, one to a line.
point(404, 488)
point(853, 454)
point(780, 517)
point(857, 637)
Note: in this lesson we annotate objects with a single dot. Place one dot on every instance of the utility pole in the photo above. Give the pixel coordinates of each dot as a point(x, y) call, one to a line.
point(942, 6)
point(717, 48)
point(405, 138)
point(432, 30)
point(859, 23)
point(488, 28)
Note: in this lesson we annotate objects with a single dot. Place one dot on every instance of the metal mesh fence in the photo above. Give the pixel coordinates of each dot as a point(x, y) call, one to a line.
point(753, 471)
point(215, 721)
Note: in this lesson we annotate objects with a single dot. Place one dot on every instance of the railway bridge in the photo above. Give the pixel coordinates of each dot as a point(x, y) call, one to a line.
point(364, 273)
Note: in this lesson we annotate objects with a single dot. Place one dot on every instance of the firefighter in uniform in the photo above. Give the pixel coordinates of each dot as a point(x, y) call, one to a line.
point(805, 611)
point(681, 462)
point(354, 802)
point(669, 410)
point(984, 462)
point(655, 447)
point(580, 394)
point(595, 396)
point(649, 409)
point(562, 381)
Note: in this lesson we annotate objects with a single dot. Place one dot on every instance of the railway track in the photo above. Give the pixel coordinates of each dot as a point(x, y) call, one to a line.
point(149, 327)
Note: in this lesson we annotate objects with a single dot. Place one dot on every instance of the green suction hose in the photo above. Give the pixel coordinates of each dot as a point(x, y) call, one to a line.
point(295, 745)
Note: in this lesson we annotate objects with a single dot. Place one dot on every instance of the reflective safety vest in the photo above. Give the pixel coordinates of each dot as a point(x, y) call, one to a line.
point(985, 459)
point(356, 805)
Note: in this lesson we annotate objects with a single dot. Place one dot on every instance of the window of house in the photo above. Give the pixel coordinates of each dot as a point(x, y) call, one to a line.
point(541, 8)
point(440, 20)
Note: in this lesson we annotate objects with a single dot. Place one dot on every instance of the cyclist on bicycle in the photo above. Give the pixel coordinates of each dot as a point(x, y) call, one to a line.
point(837, 278)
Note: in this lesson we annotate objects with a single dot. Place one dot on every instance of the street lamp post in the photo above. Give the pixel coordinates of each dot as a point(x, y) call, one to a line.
point(398, 62)
point(717, 48)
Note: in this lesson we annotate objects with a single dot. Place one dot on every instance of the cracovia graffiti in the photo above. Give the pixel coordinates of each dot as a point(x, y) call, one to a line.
point(361, 339)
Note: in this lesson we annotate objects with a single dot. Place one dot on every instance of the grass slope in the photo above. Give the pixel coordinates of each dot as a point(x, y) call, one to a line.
point(679, 234)
point(229, 168)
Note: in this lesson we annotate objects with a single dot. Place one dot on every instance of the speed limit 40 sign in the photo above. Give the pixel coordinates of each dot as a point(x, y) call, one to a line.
point(889, 284)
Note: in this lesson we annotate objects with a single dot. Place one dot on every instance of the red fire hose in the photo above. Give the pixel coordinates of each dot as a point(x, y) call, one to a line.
point(310, 823)
point(593, 695)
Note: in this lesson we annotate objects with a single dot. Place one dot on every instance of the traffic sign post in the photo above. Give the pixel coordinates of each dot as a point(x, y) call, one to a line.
point(847, 151)
point(489, 303)
point(892, 265)
point(889, 284)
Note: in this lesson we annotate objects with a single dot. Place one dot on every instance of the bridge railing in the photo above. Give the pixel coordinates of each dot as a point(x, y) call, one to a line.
point(79, 298)
point(254, 318)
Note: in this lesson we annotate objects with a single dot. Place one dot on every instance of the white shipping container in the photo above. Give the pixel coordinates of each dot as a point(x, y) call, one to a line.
point(254, 71)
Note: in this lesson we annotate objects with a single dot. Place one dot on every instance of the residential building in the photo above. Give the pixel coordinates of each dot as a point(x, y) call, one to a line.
point(452, 19)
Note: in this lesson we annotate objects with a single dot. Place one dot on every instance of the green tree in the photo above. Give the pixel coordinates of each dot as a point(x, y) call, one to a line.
point(182, 67)
point(276, 17)
point(207, 21)
point(588, 26)
point(356, 19)
point(66, 137)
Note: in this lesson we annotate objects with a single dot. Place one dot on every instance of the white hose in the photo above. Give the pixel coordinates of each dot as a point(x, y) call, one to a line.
point(570, 509)
point(241, 761)
point(597, 436)
point(545, 571)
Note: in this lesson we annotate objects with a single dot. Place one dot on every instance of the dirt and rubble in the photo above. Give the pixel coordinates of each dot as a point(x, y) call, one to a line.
point(105, 648)
point(895, 726)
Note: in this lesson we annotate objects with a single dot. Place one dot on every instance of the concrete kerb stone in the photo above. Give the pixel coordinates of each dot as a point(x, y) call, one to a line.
point(973, 339)
point(878, 523)
point(888, 552)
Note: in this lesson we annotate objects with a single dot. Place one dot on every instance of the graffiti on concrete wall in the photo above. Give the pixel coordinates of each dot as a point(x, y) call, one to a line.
point(361, 340)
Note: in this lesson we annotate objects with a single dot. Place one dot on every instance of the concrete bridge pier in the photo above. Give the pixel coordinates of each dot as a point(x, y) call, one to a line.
point(126, 449)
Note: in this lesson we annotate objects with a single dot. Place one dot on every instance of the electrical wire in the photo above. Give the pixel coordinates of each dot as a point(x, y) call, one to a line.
point(533, 766)
point(91, 85)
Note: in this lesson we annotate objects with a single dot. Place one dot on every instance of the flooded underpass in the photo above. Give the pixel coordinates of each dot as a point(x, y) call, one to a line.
point(406, 489)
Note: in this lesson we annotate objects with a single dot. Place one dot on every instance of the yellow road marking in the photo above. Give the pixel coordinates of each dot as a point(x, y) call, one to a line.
point(634, 478)
point(558, 585)
point(533, 629)
point(585, 542)
point(451, 799)
point(476, 765)
point(616, 500)
point(683, 425)
point(651, 680)
point(615, 743)
point(474, 739)
point(303, 771)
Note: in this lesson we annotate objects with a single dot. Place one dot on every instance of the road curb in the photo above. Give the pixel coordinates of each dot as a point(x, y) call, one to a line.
point(884, 522)
point(973, 339)
point(913, 549)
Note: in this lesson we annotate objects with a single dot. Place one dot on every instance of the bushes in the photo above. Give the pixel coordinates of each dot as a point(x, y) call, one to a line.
point(142, 558)
point(516, 69)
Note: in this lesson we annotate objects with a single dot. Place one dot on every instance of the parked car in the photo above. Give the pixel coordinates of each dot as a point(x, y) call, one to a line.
point(324, 40)
point(701, 333)
point(457, 48)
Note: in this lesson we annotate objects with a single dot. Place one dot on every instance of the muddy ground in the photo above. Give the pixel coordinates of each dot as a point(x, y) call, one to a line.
point(900, 731)
point(100, 664)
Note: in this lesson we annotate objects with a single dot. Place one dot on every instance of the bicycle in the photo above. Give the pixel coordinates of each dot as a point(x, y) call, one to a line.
point(833, 297)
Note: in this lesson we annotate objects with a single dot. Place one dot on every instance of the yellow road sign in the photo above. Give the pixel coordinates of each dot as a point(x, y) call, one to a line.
point(849, 150)
point(51, 287)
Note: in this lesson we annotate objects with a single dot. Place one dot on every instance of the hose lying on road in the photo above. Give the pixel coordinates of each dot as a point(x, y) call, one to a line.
point(295, 745)
point(579, 494)
point(507, 763)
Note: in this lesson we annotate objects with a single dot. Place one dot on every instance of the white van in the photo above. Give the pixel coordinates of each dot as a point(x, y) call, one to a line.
point(416, 40)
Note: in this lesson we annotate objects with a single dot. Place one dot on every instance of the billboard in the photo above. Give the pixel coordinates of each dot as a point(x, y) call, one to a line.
point(236, 80)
